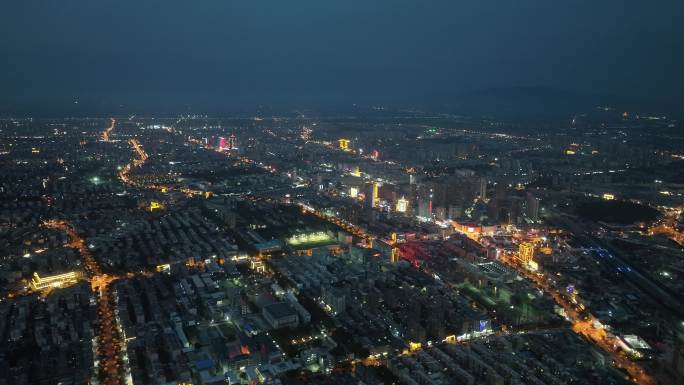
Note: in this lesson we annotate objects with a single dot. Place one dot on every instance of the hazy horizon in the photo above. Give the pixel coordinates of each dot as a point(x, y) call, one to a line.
point(217, 56)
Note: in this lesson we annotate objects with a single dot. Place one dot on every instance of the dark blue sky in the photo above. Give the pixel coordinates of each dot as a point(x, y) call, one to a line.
point(231, 54)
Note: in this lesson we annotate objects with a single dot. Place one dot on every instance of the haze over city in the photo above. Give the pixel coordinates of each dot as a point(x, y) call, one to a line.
point(216, 56)
point(349, 193)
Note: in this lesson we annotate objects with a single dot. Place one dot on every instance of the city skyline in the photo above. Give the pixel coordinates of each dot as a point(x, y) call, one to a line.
point(341, 193)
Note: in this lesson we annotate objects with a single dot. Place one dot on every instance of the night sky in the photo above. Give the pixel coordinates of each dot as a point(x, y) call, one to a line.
point(222, 55)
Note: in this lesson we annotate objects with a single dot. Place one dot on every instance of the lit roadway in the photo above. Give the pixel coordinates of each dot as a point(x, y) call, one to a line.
point(108, 341)
point(108, 130)
point(306, 209)
point(583, 325)
point(668, 225)
point(110, 346)
point(347, 226)
point(136, 162)
point(124, 174)
point(242, 159)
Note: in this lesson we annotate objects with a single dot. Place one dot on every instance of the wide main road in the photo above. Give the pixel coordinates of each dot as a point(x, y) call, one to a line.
point(106, 133)
point(583, 324)
point(109, 355)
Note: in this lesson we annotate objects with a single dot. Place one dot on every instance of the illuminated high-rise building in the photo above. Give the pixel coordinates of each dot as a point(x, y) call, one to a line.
point(425, 208)
point(394, 257)
point(532, 204)
point(440, 213)
point(402, 205)
point(371, 194)
point(223, 143)
point(353, 192)
point(306, 133)
point(232, 142)
point(344, 144)
point(526, 253)
point(425, 201)
point(483, 189)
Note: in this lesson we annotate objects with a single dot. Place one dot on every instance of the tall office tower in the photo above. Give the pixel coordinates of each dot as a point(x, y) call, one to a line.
point(526, 253)
point(483, 188)
point(371, 194)
point(222, 143)
point(440, 213)
point(394, 258)
point(425, 205)
point(425, 196)
point(402, 205)
point(532, 206)
point(232, 142)
point(455, 211)
point(424, 208)
point(306, 133)
point(440, 191)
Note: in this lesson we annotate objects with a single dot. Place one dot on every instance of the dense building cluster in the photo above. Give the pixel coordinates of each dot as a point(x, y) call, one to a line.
point(340, 249)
